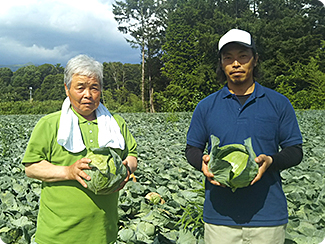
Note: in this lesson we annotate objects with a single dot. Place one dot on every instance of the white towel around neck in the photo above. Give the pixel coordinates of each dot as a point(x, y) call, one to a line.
point(69, 134)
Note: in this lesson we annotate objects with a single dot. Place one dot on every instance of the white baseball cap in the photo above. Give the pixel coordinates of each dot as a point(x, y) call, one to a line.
point(237, 36)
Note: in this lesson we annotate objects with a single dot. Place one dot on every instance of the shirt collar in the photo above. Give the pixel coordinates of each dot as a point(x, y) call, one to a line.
point(258, 91)
point(81, 119)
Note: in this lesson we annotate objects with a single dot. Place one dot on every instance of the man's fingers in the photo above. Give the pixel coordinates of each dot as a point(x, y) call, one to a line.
point(212, 181)
point(82, 174)
point(86, 161)
point(75, 171)
point(261, 171)
point(206, 171)
point(209, 174)
point(206, 158)
point(257, 178)
point(82, 182)
point(123, 183)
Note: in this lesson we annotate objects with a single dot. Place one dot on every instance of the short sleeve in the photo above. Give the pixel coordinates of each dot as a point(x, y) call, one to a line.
point(197, 133)
point(39, 145)
point(131, 144)
point(289, 128)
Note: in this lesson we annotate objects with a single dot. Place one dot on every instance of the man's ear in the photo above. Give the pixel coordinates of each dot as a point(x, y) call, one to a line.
point(66, 90)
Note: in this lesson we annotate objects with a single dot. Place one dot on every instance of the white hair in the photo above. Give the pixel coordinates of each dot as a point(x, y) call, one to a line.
point(83, 65)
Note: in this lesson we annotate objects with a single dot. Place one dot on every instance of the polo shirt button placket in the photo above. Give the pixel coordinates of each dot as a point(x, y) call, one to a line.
point(90, 132)
point(239, 111)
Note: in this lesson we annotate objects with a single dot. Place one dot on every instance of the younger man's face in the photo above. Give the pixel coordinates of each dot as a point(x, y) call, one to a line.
point(238, 63)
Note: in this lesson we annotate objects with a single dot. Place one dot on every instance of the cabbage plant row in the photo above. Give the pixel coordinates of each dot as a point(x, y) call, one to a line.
point(163, 202)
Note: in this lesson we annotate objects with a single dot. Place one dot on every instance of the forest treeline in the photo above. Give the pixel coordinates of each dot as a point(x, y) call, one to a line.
point(178, 43)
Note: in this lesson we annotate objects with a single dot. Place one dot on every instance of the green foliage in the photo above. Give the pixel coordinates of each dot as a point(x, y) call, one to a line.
point(51, 87)
point(189, 57)
point(312, 97)
point(144, 21)
point(163, 169)
point(19, 195)
point(118, 75)
point(26, 107)
point(45, 83)
point(18, 84)
point(303, 184)
point(286, 32)
point(5, 77)
point(192, 217)
point(122, 101)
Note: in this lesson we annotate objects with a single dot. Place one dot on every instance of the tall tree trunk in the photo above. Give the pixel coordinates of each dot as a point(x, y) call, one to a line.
point(152, 108)
point(142, 81)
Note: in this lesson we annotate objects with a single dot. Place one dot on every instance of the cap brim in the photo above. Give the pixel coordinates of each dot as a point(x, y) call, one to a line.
point(240, 43)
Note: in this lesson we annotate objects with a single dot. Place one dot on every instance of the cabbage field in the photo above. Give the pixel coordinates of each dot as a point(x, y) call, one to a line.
point(163, 202)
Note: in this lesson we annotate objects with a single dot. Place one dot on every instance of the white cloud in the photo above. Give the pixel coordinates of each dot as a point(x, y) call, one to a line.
point(19, 51)
point(56, 29)
point(61, 15)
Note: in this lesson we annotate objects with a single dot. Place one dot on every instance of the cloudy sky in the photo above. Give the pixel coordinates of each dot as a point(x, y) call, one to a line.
point(53, 31)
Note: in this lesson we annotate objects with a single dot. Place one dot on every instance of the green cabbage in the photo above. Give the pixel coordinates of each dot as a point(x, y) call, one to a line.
point(107, 171)
point(233, 165)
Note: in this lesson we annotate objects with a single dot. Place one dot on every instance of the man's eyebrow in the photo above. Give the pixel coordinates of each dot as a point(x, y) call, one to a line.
point(226, 53)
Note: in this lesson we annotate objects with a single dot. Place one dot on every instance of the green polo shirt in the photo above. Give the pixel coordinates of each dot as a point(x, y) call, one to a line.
point(68, 212)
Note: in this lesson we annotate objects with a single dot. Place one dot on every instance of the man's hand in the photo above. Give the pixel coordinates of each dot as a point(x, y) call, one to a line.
point(125, 162)
point(48, 172)
point(131, 164)
point(207, 173)
point(264, 163)
point(75, 171)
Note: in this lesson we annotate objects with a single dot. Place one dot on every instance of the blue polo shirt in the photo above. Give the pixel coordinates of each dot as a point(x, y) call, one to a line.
point(269, 119)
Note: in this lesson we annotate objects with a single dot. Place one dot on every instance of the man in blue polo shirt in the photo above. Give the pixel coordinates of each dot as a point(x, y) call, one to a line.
point(241, 109)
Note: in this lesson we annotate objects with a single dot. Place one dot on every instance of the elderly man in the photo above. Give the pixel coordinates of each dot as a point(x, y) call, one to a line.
point(241, 109)
point(69, 212)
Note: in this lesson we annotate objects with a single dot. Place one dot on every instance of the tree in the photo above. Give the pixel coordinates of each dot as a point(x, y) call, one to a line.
point(140, 19)
point(287, 32)
point(52, 88)
point(190, 53)
point(113, 75)
point(23, 79)
point(5, 77)
point(34, 77)
point(132, 77)
point(118, 75)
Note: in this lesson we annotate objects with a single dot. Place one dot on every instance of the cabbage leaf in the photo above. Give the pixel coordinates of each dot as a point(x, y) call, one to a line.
point(107, 171)
point(233, 165)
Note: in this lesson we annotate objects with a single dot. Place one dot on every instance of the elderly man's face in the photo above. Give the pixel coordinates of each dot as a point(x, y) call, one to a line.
point(84, 94)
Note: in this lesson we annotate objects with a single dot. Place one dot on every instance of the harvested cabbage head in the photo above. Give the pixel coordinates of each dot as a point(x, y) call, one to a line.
point(233, 165)
point(107, 171)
